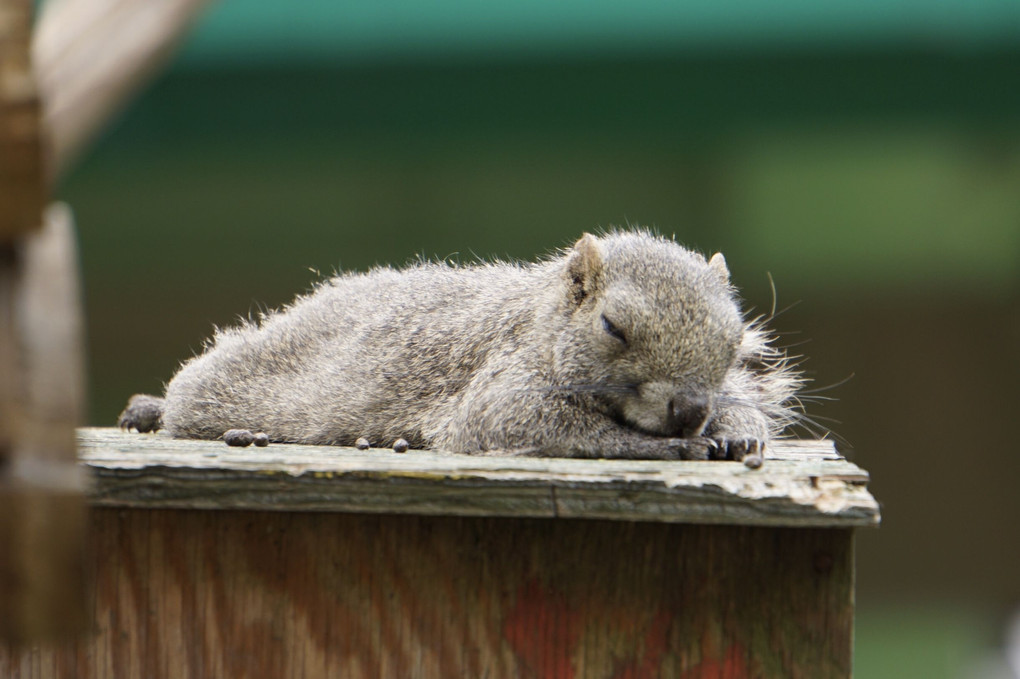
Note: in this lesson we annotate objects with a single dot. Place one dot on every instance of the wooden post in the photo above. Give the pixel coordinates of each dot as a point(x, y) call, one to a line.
point(299, 561)
point(89, 57)
point(41, 502)
point(42, 505)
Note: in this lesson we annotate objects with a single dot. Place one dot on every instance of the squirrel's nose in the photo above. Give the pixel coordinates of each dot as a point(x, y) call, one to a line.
point(687, 416)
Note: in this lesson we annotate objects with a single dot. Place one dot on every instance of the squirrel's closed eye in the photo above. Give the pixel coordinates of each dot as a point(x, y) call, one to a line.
point(608, 326)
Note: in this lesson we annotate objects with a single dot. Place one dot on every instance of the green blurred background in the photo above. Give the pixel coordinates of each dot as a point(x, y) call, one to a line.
point(865, 154)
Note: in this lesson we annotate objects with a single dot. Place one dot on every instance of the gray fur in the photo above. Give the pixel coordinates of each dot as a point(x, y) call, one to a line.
point(503, 357)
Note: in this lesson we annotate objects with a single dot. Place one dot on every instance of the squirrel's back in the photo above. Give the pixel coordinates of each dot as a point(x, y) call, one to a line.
point(360, 350)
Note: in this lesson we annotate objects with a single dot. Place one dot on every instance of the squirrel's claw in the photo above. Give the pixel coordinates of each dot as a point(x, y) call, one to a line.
point(750, 451)
point(716, 450)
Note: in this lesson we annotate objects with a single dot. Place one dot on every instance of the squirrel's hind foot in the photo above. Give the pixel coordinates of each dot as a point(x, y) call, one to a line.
point(143, 413)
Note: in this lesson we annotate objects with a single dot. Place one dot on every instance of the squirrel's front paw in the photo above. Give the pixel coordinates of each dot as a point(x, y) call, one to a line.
point(690, 449)
point(750, 451)
point(663, 448)
point(143, 412)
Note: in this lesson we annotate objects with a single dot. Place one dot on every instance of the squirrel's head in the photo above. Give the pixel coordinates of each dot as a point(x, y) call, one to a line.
point(652, 329)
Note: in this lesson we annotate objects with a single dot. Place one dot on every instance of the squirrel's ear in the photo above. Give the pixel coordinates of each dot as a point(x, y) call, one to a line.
point(583, 267)
point(718, 265)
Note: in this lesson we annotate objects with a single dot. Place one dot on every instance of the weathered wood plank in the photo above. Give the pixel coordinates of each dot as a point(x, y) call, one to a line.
point(183, 593)
point(805, 484)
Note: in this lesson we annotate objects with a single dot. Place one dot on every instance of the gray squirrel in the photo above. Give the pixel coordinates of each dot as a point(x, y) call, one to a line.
point(626, 345)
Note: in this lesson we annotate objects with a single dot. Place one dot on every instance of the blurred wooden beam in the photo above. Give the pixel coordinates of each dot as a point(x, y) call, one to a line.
point(90, 56)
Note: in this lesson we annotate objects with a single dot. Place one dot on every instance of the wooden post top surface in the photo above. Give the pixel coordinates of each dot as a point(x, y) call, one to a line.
point(802, 483)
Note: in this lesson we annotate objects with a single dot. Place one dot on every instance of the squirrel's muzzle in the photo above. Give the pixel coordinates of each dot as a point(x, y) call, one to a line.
point(687, 416)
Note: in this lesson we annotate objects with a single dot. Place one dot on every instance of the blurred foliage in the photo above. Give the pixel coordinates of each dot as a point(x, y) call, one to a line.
point(929, 641)
point(832, 170)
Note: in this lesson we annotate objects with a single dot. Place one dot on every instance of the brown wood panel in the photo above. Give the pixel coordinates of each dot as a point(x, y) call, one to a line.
point(185, 593)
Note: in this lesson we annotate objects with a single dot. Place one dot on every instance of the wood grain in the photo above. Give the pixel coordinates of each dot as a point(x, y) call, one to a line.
point(184, 593)
point(803, 484)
